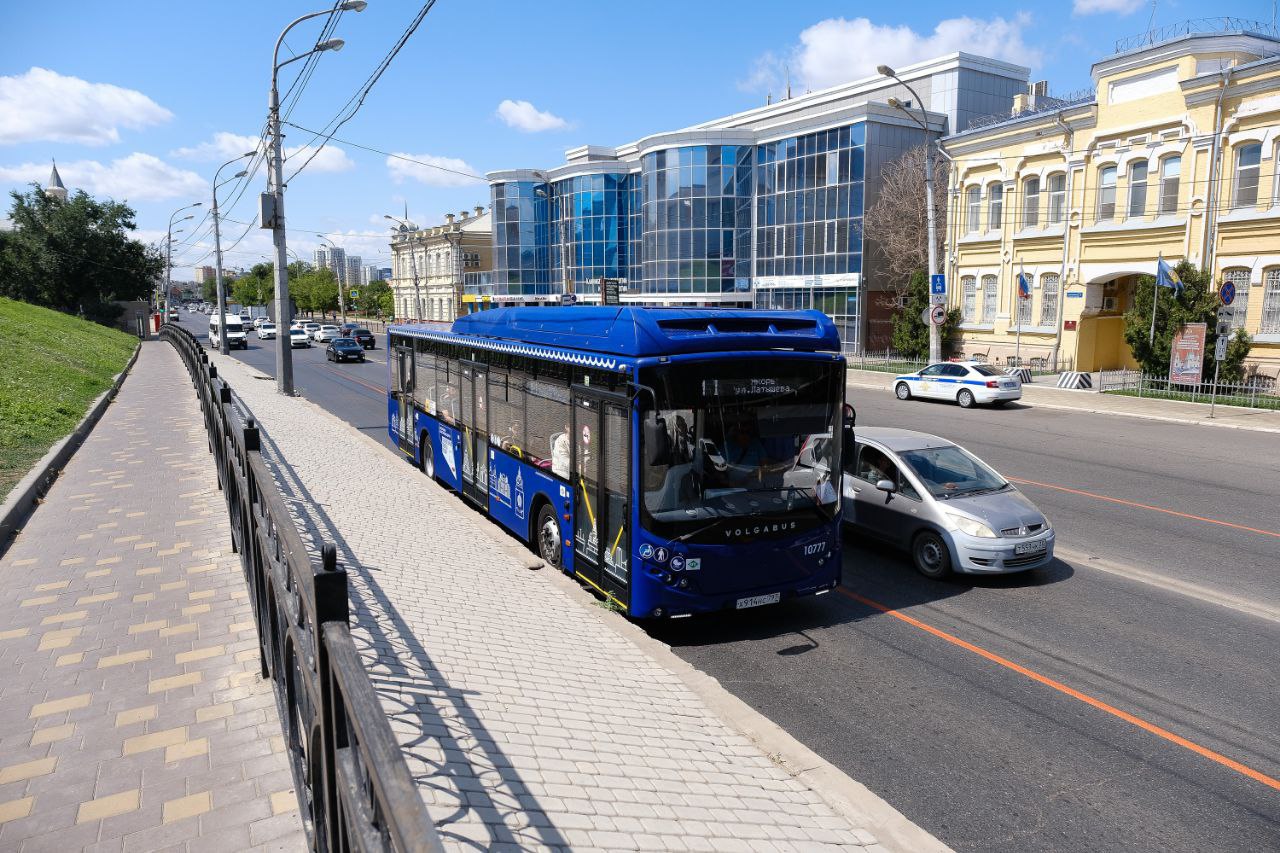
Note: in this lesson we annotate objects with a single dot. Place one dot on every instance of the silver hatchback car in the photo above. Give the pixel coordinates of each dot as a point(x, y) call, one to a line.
point(944, 505)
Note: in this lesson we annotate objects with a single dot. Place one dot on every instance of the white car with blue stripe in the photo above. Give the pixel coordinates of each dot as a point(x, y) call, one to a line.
point(967, 382)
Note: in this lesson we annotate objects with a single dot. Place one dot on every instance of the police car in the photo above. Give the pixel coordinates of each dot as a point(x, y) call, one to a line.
point(967, 382)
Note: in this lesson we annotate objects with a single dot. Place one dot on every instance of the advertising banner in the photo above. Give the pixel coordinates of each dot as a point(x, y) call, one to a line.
point(1186, 357)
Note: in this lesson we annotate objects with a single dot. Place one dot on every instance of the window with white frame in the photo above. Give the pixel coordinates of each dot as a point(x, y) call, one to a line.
point(1106, 193)
point(969, 307)
point(973, 209)
point(989, 298)
point(1049, 299)
point(995, 206)
point(1248, 167)
point(1030, 202)
point(1170, 176)
point(1024, 307)
point(1238, 276)
point(1057, 198)
point(1138, 189)
point(1270, 302)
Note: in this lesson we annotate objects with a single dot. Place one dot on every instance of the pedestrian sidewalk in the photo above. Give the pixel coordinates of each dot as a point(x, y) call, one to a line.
point(132, 714)
point(1043, 395)
point(530, 717)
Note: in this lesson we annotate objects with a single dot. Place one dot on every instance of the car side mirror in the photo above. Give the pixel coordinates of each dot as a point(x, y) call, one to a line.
point(886, 486)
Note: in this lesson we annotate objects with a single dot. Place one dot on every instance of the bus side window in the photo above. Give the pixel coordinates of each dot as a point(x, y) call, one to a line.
point(446, 388)
point(547, 423)
point(424, 375)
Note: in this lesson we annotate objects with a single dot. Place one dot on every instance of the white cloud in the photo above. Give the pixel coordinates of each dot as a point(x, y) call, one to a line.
point(838, 50)
point(138, 177)
point(45, 106)
point(432, 170)
point(1100, 7)
point(524, 116)
point(224, 146)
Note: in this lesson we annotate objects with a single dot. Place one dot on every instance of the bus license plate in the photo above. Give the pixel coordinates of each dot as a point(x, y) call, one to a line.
point(1029, 548)
point(757, 600)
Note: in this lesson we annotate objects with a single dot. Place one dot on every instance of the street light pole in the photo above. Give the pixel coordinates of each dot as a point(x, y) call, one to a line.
point(342, 298)
point(284, 348)
point(223, 347)
point(168, 262)
point(935, 338)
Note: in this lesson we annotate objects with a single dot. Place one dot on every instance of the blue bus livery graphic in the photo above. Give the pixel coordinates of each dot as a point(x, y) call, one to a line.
point(677, 461)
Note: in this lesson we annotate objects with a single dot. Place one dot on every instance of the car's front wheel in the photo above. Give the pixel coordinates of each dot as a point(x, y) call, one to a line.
point(902, 391)
point(965, 398)
point(931, 556)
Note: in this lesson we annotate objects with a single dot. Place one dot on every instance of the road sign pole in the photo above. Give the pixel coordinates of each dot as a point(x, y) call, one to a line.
point(1213, 393)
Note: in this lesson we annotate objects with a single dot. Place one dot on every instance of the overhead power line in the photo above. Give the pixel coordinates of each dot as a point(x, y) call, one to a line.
point(389, 154)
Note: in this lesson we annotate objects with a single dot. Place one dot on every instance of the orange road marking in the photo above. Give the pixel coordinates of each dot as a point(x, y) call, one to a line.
point(1070, 691)
point(1124, 502)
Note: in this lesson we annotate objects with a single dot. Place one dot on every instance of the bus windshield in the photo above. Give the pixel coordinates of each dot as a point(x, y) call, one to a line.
point(734, 439)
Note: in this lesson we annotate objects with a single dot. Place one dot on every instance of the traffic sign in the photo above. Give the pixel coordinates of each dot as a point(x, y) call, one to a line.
point(937, 299)
point(1220, 349)
point(1225, 316)
point(938, 284)
point(938, 315)
point(1227, 293)
point(926, 316)
point(355, 294)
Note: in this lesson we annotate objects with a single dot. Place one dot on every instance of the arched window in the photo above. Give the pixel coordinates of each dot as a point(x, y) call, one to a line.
point(1248, 165)
point(1270, 302)
point(995, 206)
point(1138, 189)
point(1049, 299)
point(1030, 202)
point(1106, 193)
point(1057, 198)
point(973, 209)
point(1170, 175)
point(989, 298)
point(969, 307)
point(1024, 306)
point(1239, 276)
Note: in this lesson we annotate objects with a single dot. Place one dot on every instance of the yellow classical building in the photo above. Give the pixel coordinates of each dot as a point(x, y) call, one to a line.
point(1172, 153)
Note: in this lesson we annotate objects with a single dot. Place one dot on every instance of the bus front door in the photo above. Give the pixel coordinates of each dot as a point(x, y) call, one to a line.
point(475, 433)
point(404, 368)
point(600, 434)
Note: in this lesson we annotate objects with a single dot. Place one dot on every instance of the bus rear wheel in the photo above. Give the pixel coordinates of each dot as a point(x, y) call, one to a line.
point(428, 456)
point(547, 535)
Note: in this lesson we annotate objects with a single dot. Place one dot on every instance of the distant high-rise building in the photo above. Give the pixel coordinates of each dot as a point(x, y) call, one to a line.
point(204, 274)
point(370, 274)
point(386, 273)
point(333, 258)
point(352, 277)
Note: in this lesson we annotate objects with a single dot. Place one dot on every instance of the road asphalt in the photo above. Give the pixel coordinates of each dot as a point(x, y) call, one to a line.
point(1124, 703)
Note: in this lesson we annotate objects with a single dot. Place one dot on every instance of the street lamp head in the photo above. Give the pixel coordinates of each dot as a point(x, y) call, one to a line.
point(885, 71)
point(197, 204)
point(241, 173)
point(894, 102)
point(353, 6)
point(331, 44)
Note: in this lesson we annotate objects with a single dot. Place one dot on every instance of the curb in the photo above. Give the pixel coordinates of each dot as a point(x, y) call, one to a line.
point(26, 496)
point(1205, 421)
point(847, 797)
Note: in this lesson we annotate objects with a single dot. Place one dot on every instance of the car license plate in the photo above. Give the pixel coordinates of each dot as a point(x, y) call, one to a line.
point(757, 600)
point(1029, 548)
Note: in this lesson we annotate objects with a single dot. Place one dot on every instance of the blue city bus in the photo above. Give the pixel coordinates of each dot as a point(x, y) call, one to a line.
point(676, 461)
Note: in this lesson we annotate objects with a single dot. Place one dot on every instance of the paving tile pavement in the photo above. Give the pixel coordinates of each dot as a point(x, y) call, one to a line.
point(132, 715)
point(527, 722)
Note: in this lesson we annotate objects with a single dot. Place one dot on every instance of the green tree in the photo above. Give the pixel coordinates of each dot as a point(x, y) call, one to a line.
point(247, 291)
point(324, 291)
point(910, 333)
point(209, 289)
point(1198, 303)
point(74, 256)
point(373, 297)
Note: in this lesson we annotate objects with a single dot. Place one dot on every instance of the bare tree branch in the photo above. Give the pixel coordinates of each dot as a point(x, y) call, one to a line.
point(898, 224)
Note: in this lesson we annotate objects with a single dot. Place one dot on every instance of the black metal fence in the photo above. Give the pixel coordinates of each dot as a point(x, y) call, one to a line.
point(354, 787)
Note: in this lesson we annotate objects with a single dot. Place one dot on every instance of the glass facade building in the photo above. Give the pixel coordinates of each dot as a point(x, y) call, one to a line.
point(763, 208)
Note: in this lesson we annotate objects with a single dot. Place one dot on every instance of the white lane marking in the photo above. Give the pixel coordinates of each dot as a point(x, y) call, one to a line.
point(1190, 590)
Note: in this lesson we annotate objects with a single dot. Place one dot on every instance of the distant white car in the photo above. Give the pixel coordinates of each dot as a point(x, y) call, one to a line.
point(266, 331)
point(258, 321)
point(326, 333)
point(299, 338)
point(966, 382)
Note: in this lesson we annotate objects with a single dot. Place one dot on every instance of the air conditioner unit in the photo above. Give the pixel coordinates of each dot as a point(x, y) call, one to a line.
point(1108, 303)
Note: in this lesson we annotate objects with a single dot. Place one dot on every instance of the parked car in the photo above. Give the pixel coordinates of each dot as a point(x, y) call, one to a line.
point(267, 331)
point(966, 382)
point(326, 333)
point(942, 504)
point(364, 338)
point(299, 338)
point(344, 349)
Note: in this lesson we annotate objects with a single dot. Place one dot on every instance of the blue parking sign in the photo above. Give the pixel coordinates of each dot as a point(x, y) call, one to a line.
point(938, 284)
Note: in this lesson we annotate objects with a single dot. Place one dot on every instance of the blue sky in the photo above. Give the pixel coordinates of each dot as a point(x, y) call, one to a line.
point(142, 101)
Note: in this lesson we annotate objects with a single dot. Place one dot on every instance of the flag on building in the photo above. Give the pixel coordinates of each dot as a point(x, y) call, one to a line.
point(1167, 276)
point(1024, 283)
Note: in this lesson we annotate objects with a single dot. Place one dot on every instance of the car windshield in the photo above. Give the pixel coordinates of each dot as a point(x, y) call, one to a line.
point(233, 327)
point(985, 370)
point(950, 471)
point(725, 441)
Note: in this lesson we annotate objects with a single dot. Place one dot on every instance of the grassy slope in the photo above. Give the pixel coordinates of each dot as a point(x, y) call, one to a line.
point(52, 366)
